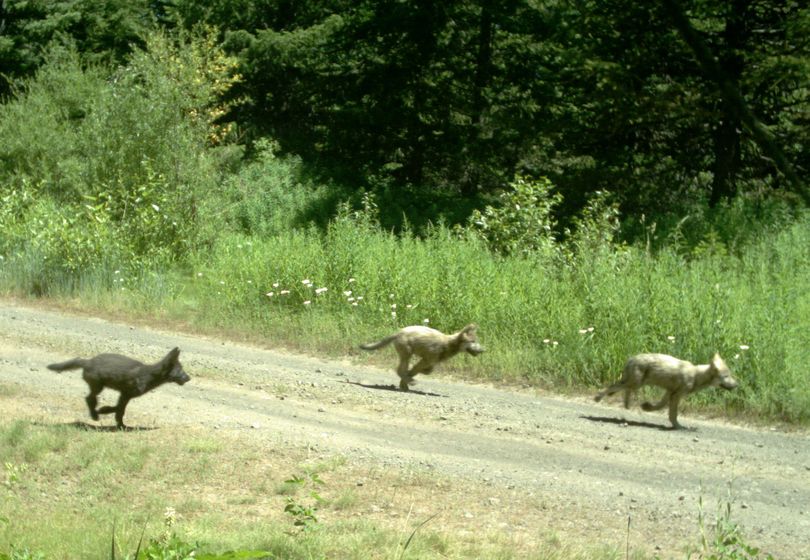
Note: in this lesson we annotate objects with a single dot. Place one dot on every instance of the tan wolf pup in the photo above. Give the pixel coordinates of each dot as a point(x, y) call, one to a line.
point(129, 377)
point(679, 378)
point(430, 345)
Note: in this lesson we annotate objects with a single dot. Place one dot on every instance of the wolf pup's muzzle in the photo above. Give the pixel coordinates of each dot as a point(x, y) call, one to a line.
point(729, 384)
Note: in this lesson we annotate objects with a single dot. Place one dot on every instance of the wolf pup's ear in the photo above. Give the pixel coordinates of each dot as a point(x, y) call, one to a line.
point(470, 328)
point(174, 354)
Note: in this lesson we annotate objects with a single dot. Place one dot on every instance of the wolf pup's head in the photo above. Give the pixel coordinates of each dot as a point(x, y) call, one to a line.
point(722, 375)
point(469, 342)
point(176, 373)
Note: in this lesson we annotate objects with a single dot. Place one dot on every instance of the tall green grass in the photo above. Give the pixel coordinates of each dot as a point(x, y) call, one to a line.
point(111, 191)
point(558, 325)
point(544, 323)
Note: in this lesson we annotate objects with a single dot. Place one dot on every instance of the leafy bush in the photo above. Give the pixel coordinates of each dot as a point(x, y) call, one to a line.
point(270, 195)
point(524, 222)
point(102, 172)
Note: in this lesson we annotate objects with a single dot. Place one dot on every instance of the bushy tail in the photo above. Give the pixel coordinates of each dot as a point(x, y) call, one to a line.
point(374, 345)
point(75, 363)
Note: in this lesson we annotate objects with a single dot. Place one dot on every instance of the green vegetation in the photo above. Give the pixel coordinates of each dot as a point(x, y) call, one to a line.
point(582, 181)
point(139, 205)
point(59, 504)
point(725, 540)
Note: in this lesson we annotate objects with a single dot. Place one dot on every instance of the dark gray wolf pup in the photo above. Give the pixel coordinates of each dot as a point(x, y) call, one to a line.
point(430, 345)
point(678, 378)
point(129, 377)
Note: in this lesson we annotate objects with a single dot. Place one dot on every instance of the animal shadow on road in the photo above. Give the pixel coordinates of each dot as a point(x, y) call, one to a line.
point(634, 423)
point(79, 425)
point(394, 388)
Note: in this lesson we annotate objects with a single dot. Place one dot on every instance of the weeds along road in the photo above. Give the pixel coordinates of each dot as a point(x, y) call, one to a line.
point(574, 466)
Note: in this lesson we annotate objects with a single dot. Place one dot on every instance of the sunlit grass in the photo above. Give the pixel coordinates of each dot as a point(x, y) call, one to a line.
point(559, 326)
point(140, 484)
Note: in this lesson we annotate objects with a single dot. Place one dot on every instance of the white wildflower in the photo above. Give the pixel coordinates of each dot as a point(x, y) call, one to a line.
point(169, 516)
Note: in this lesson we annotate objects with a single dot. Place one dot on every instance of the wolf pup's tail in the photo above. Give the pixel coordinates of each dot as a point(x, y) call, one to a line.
point(374, 345)
point(75, 363)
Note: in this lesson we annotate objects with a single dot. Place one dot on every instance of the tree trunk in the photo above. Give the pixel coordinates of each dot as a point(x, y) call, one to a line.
point(483, 67)
point(731, 95)
point(727, 135)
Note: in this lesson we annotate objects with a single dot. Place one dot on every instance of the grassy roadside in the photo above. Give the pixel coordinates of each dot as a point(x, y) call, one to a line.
point(558, 327)
point(64, 486)
point(160, 222)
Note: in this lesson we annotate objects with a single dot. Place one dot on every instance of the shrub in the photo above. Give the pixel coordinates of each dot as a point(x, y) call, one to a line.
point(98, 171)
point(523, 223)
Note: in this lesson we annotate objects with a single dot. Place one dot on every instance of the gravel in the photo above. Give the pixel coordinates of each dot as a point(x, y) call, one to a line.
point(590, 466)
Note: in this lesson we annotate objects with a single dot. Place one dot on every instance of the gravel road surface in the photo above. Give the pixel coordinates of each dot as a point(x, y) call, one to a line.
point(587, 466)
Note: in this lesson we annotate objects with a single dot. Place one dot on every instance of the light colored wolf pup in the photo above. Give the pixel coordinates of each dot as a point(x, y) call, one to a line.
point(430, 345)
point(679, 378)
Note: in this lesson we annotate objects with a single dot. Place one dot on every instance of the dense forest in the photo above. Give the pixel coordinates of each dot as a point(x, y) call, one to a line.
point(583, 179)
point(667, 106)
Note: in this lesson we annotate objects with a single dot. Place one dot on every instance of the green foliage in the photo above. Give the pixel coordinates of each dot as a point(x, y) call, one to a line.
point(103, 30)
point(237, 555)
point(13, 473)
point(727, 541)
point(556, 323)
point(270, 195)
point(460, 96)
point(597, 225)
point(431, 101)
point(171, 548)
point(523, 223)
point(22, 554)
point(303, 513)
point(112, 173)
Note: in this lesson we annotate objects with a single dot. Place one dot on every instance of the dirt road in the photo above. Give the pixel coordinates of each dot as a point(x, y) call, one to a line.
point(574, 466)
